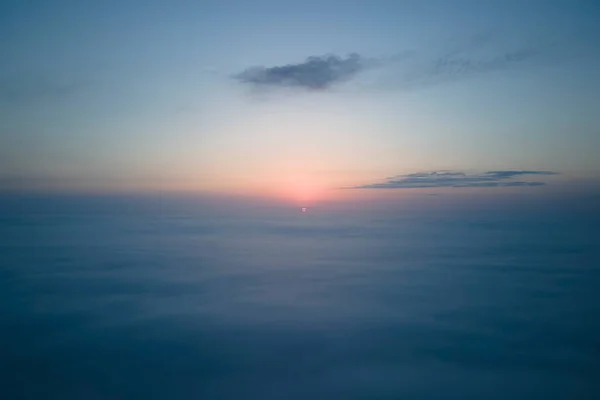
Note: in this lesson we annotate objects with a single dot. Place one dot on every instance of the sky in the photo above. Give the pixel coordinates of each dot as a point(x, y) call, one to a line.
point(304, 101)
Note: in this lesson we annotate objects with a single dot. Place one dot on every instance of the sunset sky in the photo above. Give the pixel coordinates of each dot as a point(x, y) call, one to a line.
point(299, 100)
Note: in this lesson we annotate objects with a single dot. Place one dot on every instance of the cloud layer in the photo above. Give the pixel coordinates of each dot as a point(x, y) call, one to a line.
point(456, 179)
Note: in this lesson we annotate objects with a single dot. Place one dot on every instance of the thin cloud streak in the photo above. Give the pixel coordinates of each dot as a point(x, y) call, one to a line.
point(457, 179)
point(27, 90)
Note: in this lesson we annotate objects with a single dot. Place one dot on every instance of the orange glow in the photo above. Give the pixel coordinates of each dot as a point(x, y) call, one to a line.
point(303, 192)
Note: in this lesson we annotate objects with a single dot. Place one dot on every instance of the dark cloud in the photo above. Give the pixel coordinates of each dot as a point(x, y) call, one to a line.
point(314, 73)
point(456, 179)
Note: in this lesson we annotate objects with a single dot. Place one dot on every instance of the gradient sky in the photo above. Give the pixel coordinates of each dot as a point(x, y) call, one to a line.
point(147, 95)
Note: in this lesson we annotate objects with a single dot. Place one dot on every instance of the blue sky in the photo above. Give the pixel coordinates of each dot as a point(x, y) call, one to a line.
point(132, 95)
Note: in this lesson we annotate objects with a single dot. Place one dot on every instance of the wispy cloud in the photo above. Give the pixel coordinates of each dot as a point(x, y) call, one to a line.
point(24, 90)
point(480, 54)
point(457, 179)
point(458, 65)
